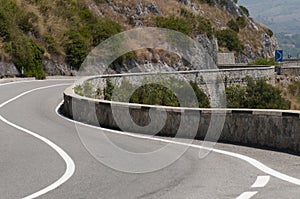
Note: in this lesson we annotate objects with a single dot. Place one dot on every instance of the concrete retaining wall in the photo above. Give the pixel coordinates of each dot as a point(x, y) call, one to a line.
point(274, 129)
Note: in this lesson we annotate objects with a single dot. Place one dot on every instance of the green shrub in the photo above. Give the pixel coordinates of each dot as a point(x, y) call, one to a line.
point(108, 90)
point(201, 24)
point(209, 2)
point(203, 100)
point(245, 10)
point(4, 28)
point(87, 90)
point(241, 22)
point(204, 26)
point(156, 93)
point(263, 61)
point(174, 23)
point(236, 96)
point(270, 32)
point(50, 43)
point(103, 30)
point(29, 56)
point(256, 95)
point(76, 49)
point(229, 39)
point(27, 22)
point(233, 25)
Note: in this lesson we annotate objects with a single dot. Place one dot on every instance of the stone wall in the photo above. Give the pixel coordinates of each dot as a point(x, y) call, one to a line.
point(274, 129)
point(289, 70)
point(204, 78)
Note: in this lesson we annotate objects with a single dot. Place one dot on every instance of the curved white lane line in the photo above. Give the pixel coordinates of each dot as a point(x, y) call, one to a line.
point(32, 80)
point(70, 166)
point(261, 181)
point(247, 195)
point(247, 159)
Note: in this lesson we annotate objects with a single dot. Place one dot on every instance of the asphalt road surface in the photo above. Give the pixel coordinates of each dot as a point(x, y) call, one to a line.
point(42, 155)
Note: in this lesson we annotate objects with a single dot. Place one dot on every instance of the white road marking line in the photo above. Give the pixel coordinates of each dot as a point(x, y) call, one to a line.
point(261, 181)
point(247, 159)
point(27, 81)
point(70, 166)
point(247, 195)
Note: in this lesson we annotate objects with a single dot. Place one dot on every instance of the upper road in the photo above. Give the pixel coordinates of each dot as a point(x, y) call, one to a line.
point(30, 163)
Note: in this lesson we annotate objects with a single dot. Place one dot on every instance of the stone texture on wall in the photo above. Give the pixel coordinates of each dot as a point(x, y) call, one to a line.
point(274, 129)
point(289, 70)
point(8, 70)
point(225, 58)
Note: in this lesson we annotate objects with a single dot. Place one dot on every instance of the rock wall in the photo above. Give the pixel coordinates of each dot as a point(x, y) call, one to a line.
point(8, 70)
point(274, 129)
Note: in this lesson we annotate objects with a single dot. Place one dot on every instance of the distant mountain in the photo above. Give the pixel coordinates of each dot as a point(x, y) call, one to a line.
point(279, 15)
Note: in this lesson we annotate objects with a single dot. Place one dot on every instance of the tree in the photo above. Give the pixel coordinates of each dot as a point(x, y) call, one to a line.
point(76, 49)
point(28, 55)
point(257, 94)
point(229, 39)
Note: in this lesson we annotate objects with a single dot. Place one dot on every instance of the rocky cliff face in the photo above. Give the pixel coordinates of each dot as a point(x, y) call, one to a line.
point(254, 37)
point(54, 25)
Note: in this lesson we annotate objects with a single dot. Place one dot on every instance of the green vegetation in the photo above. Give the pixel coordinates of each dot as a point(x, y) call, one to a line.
point(270, 32)
point(241, 22)
point(233, 25)
point(245, 10)
point(201, 25)
point(65, 29)
point(256, 95)
point(263, 61)
point(174, 23)
point(188, 23)
point(229, 39)
point(209, 2)
point(237, 24)
point(149, 93)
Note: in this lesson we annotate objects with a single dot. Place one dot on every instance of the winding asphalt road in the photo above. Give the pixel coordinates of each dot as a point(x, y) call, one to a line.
point(35, 144)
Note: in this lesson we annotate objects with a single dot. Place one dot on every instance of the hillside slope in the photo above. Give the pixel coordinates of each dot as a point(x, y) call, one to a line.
point(56, 36)
point(279, 15)
point(282, 18)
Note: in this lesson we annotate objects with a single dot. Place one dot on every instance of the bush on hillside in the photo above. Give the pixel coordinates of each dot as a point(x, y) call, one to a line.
point(199, 24)
point(256, 95)
point(76, 49)
point(241, 22)
point(245, 10)
point(156, 93)
point(263, 61)
point(29, 56)
point(174, 23)
point(233, 25)
point(229, 39)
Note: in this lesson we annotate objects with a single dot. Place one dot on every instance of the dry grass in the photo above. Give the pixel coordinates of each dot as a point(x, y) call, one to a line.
point(293, 98)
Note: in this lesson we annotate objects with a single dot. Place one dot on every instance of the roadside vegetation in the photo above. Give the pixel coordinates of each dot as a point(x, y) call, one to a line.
point(263, 61)
point(149, 93)
point(255, 95)
point(62, 29)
